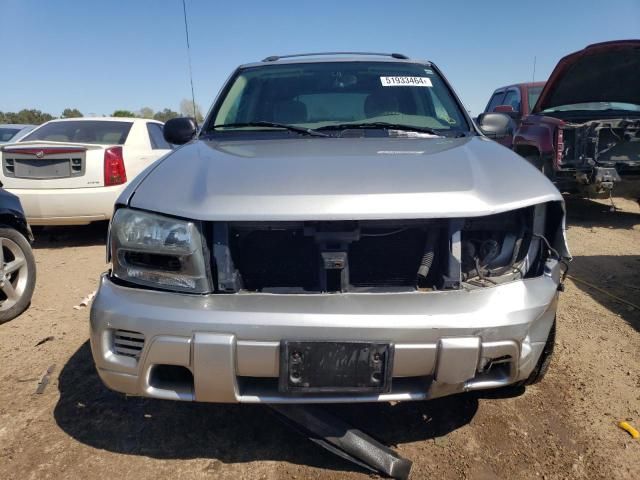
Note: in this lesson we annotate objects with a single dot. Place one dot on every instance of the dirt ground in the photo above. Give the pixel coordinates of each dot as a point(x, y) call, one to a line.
point(564, 427)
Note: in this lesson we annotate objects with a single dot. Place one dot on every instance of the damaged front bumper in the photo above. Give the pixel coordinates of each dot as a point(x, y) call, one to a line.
point(599, 179)
point(225, 348)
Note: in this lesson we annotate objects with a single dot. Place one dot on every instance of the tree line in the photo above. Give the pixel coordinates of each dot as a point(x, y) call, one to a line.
point(32, 116)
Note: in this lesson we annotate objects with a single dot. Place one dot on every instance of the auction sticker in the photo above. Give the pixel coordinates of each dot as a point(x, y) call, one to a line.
point(406, 82)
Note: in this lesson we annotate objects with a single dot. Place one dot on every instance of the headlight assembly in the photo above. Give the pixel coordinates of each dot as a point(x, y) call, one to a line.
point(498, 248)
point(157, 251)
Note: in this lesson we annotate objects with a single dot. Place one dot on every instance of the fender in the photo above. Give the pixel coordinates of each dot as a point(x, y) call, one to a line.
point(537, 132)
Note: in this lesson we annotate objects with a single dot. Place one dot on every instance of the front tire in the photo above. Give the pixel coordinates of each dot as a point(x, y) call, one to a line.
point(544, 361)
point(17, 274)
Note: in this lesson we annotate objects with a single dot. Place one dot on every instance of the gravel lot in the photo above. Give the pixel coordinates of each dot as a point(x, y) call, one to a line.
point(564, 427)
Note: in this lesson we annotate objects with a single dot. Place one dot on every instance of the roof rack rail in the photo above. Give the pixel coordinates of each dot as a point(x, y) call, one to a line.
point(274, 58)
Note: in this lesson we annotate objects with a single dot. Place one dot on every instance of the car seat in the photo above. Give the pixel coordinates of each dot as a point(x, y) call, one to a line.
point(290, 111)
point(380, 103)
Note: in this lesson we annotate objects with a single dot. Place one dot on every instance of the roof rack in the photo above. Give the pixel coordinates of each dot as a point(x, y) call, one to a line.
point(275, 58)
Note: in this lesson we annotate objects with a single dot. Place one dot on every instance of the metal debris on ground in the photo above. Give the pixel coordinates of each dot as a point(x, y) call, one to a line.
point(340, 438)
point(85, 301)
point(45, 340)
point(44, 381)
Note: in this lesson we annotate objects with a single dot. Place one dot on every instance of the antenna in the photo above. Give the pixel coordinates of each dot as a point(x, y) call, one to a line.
point(186, 31)
point(533, 77)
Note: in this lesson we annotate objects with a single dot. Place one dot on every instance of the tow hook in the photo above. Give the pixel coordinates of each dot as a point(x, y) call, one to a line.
point(604, 178)
point(613, 207)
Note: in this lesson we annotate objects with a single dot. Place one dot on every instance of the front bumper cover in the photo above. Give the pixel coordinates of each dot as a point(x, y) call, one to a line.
point(445, 342)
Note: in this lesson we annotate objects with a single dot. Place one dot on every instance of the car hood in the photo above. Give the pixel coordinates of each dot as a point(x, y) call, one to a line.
point(603, 72)
point(338, 179)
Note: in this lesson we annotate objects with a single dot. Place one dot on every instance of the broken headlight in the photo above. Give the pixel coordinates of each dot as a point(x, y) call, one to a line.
point(157, 251)
point(498, 245)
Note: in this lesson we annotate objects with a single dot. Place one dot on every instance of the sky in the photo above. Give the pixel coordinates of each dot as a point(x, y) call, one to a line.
point(100, 56)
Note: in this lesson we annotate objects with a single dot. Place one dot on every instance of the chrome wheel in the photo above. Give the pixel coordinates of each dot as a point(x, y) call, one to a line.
point(14, 273)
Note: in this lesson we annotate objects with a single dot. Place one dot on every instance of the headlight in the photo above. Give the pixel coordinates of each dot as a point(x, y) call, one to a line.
point(158, 251)
point(500, 245)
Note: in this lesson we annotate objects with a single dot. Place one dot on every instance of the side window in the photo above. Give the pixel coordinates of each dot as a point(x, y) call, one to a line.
point(495, 101)
point(156, 137)
point(512, 98)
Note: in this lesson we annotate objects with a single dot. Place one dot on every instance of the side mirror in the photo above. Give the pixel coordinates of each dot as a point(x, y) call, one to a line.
point(495, 125)
point(179, 131)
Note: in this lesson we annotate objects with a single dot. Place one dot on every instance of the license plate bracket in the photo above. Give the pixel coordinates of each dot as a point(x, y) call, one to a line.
point(42, 169)
point(335, 367)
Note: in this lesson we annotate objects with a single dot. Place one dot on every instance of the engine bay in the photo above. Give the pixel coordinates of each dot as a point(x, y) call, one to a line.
point(383, 256)
point(611, 143)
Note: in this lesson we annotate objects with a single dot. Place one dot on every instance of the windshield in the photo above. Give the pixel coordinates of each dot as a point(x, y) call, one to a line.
point(533, 93)
point(96, 132)
point(593, 106)
point(322, 95)
point(7, 134)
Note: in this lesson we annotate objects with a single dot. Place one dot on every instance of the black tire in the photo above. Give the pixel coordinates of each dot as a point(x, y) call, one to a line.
point(542, 366)
point(27, 273)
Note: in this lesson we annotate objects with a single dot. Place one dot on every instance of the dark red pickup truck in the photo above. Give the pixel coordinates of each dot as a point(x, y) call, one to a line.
point(584, 130)
point(516, 101)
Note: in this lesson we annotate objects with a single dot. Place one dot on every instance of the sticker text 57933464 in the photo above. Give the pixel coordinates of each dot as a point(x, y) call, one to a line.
point(406, 82)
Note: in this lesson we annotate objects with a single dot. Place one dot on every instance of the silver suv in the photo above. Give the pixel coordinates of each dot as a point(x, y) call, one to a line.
point(338, 230)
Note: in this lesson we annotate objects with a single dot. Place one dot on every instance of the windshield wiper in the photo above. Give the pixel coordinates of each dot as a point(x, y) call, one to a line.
point(291, 128)
point(385, 125)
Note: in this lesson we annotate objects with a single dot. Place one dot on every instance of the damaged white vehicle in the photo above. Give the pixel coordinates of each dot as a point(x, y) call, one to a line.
point(337, 231)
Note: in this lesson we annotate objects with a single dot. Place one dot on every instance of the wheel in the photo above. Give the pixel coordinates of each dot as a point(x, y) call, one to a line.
point(17, 274)
point(542, 366)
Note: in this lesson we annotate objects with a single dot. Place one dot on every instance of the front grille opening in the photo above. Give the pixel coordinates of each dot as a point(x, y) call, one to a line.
point(171, 377)
point(334, 280)
point(318, 257)
point(385, 257)
point(269, 259)
point(128, 343)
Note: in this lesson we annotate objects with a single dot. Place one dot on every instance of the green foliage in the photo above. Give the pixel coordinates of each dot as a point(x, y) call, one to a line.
point(31, 116)
point(71, 113)
point(25, 116)
point(123, 113)
point(186, 110)
point(166, 114)
point(145, 112)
